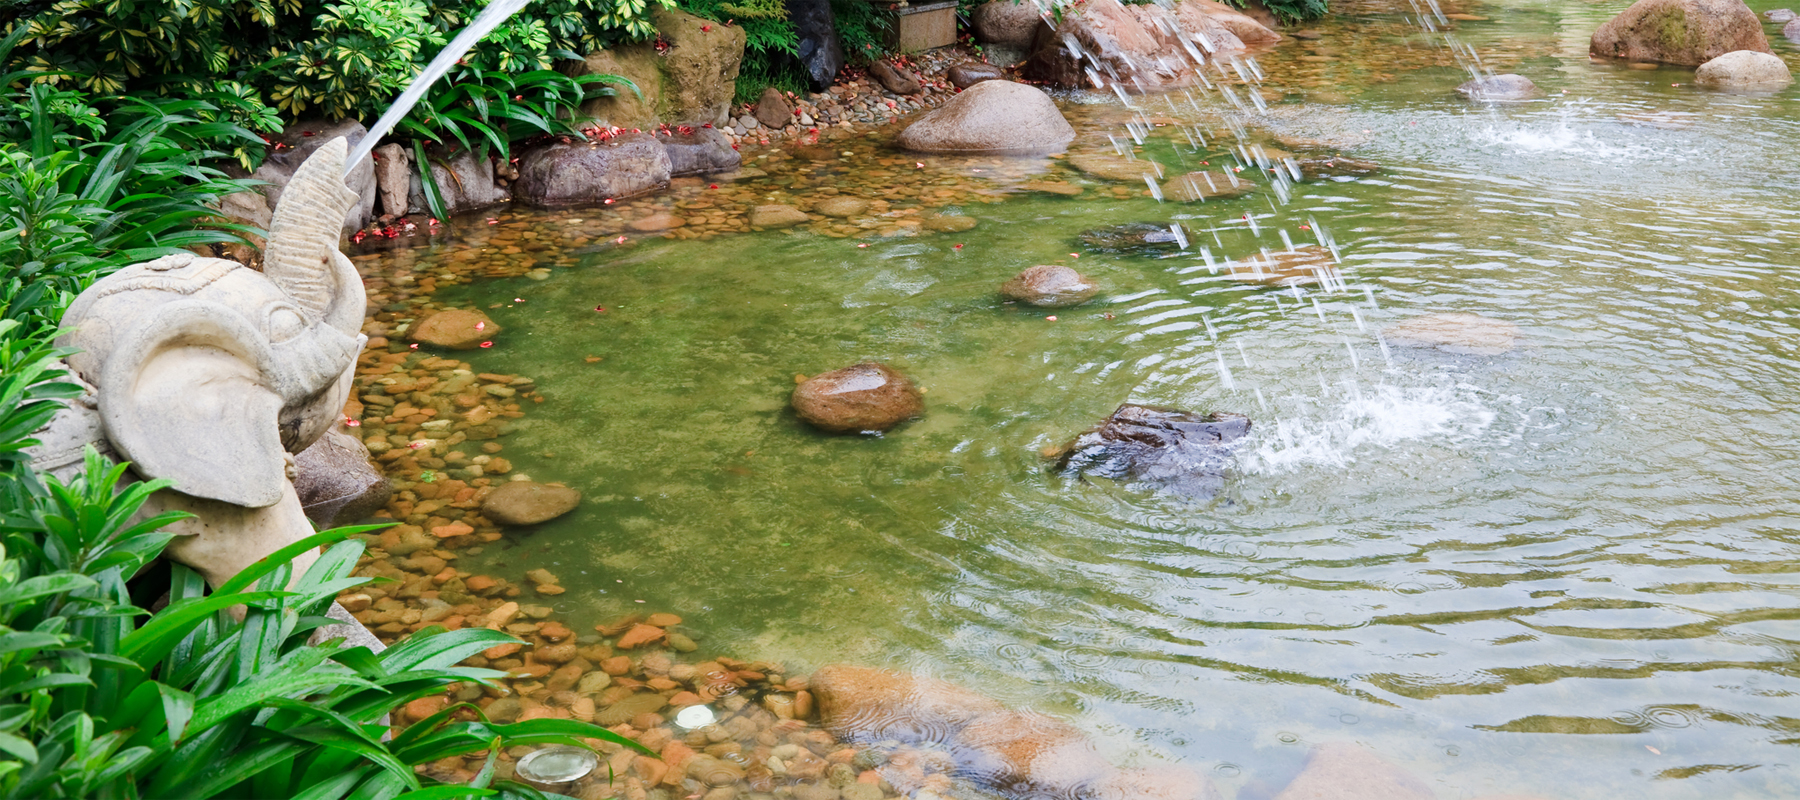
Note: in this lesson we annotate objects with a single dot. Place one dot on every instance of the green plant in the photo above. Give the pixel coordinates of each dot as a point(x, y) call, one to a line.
point(861, 29)
point(72, 211)
point(478, 108)
point(1289, 11)
point(100, 699)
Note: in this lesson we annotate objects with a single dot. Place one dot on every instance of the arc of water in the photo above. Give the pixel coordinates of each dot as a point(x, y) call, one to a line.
point(490, 18)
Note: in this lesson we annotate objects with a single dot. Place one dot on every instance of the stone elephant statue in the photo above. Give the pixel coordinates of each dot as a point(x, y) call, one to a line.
point(212, 375)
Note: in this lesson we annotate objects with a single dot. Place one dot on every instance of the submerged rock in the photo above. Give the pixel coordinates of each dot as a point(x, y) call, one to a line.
point(455, 328)
point(1498, 88)
point(1687, 32)
point(1345, 771)
point(1335, 166)
point(1179, 452)
point(1744, 69)
point(703, 151)
point(1049, 286)
point(529, 503)
point(1301, 266)
point(862, 397)
point(1114, 167)
point(776, 215)
point(1142, 238)
point(1465, 334)
point(991, 117)
point(1206, 185)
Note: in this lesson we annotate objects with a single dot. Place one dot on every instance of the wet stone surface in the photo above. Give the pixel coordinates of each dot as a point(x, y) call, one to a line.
point(1166, 449)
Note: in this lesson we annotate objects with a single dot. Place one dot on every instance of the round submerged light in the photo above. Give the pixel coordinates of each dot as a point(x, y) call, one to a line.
point(558, 764)
point(695, 717)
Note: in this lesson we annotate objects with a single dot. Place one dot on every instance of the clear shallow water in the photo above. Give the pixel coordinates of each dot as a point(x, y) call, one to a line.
point(1567, 570)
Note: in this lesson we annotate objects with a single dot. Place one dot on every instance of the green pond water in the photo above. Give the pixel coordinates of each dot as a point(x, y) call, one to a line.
point(1569, 570)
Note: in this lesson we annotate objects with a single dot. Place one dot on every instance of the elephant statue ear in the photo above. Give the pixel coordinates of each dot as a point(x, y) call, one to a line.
point(184, 397)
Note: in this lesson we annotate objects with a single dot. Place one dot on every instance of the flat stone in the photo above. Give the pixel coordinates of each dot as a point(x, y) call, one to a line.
point(623, 711)
point(1298, 267)
point(1345, 771)
point(1498, 88)
point(1466, 334)
point(528, 503)
point(456, 329)
point(1206, 185)
point(1053, 187)
point(1115, 167)
point(776, 216)
point(657, 222)
point(1744, 69)
point(841, 206)
point(956, 223)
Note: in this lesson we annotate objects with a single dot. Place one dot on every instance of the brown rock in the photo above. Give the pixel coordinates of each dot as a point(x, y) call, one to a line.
point(663, 620)
point(776, 216)
point(1298, 267)
point(1049, 286)
point(557, 654)
point(954, 223)
point(1114, 167)
point(661, 221)
point(1053, 187)
point(1687, 32)
point(842, 206)
point(1167, 782)
point(862, 397)
point(892, 79)
point(1744, 69)
point(991, 117)
point(1467, 334)
point(528, 503)
point(773, 109)
point(1206, 185)
point(640, 635)
point(1344, 771)
point(565, 174)
point(616, 666)
point(1247, 29)
point(1005, 22)
point(967, 74)
point(1141, 47)
point(863, 703)
point(622, 711)
point(541, 575)
point(455, 328)
point(1016, 748)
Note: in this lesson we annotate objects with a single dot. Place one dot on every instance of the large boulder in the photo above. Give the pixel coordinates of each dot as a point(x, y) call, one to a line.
point(466, 181)
point(691, 81)
point(1006, 22)
point(858, 398)
point(699, 151)
point(1137, 47)
point(1498, 88)
point(336, 481)
point(820, 51)
point(529, 502)
point(562, 174)
point(1178, 452)
point(991, 117)
point(1744, 69)
point(1687, 32)
point(289, 149)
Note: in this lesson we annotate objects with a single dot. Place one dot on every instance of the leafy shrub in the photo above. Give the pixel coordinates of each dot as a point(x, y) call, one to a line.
point(1290, 11)
point(772, 46)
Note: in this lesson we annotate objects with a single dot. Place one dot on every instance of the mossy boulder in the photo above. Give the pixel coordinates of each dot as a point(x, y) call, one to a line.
point(1684, 32)
point(692, 82)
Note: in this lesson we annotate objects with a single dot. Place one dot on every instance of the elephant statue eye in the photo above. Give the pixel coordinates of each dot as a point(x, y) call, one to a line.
point(284, 324)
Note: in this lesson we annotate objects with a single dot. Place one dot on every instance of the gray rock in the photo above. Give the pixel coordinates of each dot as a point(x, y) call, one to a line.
point(991, 117)
point(748, 122)
point(1791, 31)
point(336, 481)
point(773, 109)
point(1175, 451)
point(1744, 69)
point(1006, 22)
point(393, 178)
point(299, 140)
point(702, 152)
point(966, 74)
point(1140, 238)
point(560, 174)
point(529, 503)
point(466, 181)
point(1778, 14)
point(1498, 88)
point(820, 51)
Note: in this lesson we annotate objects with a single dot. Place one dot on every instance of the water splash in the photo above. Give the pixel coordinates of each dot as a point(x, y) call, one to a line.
point(1384, 418)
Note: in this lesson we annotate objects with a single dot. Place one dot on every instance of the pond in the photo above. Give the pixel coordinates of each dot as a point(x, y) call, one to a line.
point(1566, 570)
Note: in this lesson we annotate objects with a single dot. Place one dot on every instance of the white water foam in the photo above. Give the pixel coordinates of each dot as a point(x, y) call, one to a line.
point(1382, 418)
